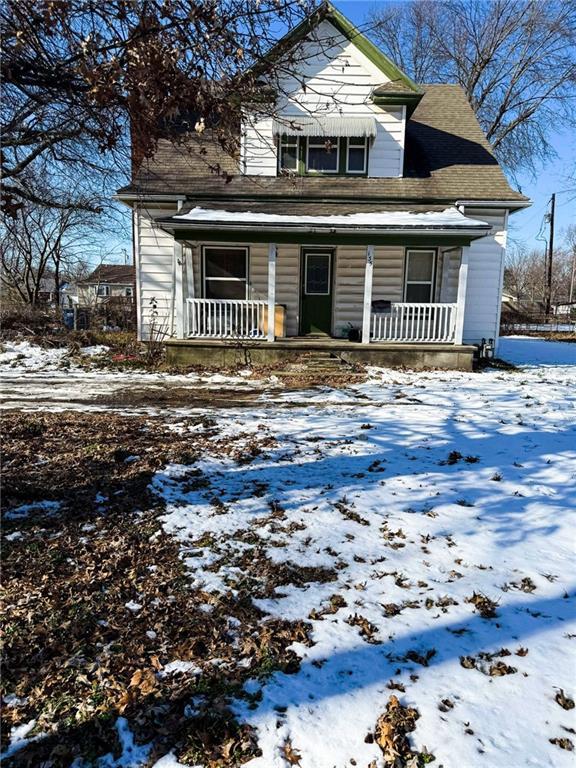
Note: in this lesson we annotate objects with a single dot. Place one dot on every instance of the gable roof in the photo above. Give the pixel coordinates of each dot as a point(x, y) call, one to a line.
point(447, 158)
point(327, 12)
point(118, 274)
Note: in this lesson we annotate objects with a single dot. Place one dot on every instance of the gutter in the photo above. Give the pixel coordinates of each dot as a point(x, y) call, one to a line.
point(131, 198)
point(510, 204)
point(422, 229)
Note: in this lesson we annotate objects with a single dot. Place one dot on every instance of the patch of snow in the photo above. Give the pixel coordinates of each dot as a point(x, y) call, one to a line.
point(180, 667)
point(133, 606)
point(48, 507)
point(10, 700)
point(451, 217)
point(132, 755)
point(170, 761)
point(19, 739)
point(534, 351)
point(95, 350)
point(416, 490)
point(14, 536)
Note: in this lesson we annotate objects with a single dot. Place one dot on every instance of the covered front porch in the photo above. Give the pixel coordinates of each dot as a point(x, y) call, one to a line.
point(368, 279)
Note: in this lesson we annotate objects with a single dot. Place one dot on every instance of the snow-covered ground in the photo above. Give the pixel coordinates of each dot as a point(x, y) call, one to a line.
point(39, 378)
point(420, 494)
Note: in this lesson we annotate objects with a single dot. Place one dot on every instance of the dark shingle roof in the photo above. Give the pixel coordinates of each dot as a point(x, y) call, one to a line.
point(447, 157)
point(119, 274)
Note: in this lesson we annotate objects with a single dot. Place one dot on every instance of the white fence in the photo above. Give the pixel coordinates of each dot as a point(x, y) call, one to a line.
point(226, 319)
point(434, 323)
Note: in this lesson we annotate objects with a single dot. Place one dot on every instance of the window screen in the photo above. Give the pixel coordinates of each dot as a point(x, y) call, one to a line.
point(289, 153)
point(356, 159)
point(420, 268)
point(225, 273)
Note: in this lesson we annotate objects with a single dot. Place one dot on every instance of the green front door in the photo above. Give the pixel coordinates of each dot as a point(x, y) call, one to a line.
point(316, 291)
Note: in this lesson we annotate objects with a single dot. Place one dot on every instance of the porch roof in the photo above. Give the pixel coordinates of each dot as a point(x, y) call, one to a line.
point(373, 227)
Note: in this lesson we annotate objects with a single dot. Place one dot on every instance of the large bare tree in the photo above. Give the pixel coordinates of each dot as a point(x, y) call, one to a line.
point(516, 60)
point(81, 75)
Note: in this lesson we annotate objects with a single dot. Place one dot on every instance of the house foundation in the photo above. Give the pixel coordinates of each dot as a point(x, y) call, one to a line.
point(217, 354)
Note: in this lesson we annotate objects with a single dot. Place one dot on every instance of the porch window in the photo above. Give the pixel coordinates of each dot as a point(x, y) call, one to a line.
point(225, 273)
point(356, 155)
point(420, 271)
point(323, 154)
point(289, 153)
point(102, 290)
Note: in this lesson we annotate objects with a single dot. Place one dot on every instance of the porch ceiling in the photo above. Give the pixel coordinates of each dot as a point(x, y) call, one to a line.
point(359, 226)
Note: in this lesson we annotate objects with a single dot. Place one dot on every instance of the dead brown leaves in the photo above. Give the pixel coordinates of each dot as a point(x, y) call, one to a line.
point(391, 732)
point(367, 630)
point(74, 653)
point(485, 607)
point(564, 701)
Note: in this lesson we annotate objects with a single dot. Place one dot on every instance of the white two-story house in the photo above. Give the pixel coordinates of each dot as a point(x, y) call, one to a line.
point(367, 216)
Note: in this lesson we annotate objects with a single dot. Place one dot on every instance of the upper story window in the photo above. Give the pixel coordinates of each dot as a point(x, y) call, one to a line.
point(357, 156)
point(322, 154)
point(102, 290)
point(314, 155)
point(289, 153)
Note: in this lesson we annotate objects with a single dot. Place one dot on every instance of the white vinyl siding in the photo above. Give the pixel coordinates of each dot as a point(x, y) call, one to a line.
point(485, 270)
point(333, 78)
point(155, 251)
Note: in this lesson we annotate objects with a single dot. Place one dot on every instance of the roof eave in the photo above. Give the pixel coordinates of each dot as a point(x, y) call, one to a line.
point(409, 100)
point(423, 229)
point(511, 205)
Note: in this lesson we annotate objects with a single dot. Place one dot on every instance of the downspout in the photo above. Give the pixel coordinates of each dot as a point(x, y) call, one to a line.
point(174, 267)
point(500, 286)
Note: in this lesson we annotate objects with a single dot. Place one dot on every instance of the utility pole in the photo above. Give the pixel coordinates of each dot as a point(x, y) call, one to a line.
point(550, 253)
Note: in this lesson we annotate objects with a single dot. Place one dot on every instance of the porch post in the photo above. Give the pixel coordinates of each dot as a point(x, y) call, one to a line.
point(271, 291)
point(461, 300)
point(178, 308)
point(367, 315)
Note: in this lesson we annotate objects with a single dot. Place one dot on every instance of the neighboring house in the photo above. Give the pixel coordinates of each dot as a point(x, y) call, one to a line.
point(567, 308)
point(109, 283)
point(369, 207)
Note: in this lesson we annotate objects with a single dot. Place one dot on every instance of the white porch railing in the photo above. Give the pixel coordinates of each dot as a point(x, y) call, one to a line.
point(226, 319)
point(432, 323)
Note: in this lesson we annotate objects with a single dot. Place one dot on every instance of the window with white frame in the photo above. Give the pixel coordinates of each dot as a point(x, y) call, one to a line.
point(357, 155)
point(420, 273)
point(102, 290)
point(225, 272)
point(288, 160)
point(323, 154)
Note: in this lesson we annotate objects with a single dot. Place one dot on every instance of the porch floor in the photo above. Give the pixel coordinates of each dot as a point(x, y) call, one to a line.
point(226, 353)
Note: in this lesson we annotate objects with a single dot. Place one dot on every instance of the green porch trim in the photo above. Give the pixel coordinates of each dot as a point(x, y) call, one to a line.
point(321, 238)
